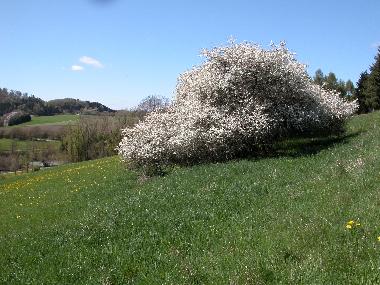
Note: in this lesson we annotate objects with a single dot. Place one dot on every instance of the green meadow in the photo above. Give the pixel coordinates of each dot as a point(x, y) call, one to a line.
point(49, 120)
point(306, 214)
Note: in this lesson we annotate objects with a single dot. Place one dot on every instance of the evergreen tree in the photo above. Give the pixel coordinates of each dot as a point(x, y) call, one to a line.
point(341, 88)
point(372, 85)
point(331, 81)
point(350, 88)
point(319, 78)
point(359, 92)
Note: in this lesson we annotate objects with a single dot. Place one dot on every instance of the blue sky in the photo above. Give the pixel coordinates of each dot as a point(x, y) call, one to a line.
point(131, 49)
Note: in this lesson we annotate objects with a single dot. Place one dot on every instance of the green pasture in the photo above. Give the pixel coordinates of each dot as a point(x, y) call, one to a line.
point(50, 120)
point(308, 213)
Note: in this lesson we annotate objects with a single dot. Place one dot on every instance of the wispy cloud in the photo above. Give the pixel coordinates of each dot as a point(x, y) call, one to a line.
point(375, 45)
point(91, 61)
point(76, 68)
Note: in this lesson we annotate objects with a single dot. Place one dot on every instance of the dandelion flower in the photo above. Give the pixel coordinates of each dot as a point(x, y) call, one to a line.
point(348, 226)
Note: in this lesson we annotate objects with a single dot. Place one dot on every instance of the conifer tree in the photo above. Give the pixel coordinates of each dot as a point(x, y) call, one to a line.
point(349, 88)
point(359, 92)
point(319, 77)
point(372, 85)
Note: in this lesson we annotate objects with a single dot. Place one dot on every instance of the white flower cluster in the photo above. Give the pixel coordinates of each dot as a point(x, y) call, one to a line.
point(242, 96)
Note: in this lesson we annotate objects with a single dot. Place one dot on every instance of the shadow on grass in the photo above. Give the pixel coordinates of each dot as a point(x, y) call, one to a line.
point(290, 147)
point(303, 146)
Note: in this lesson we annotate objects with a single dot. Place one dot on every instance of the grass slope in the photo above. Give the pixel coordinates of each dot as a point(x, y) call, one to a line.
point(271, 220)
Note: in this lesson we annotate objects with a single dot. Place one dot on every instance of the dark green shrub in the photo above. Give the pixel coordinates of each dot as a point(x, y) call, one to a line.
point(16, 118)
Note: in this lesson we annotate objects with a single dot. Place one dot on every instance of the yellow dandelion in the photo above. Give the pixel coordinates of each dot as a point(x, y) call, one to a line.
point(348, 226)
point(378, 238)
point(351, 222)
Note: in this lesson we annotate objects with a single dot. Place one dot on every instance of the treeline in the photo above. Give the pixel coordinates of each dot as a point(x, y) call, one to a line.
point(367, 90)
point(368, 87)
point(11, 100)
point(345, 89)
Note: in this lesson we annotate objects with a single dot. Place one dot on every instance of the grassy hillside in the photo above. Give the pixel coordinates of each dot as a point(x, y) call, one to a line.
point(281, 219)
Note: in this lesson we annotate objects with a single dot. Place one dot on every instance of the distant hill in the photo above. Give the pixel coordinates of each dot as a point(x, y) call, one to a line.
point(11, 100)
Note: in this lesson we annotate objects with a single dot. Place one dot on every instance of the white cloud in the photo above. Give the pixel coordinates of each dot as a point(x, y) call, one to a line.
point(91, 61)
point(375, 45)
point(76, 68)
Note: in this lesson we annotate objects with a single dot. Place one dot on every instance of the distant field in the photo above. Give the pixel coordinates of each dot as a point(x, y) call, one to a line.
point(50, 120)
point(21, 145)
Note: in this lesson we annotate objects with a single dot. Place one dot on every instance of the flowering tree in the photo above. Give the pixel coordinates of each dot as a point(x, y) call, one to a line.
point(153, 103)
point(241, 97)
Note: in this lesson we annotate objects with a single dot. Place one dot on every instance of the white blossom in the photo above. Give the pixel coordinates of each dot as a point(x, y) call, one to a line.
point(242, 96)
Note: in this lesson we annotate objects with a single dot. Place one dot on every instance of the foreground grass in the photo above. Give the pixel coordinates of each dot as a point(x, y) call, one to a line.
point(6, 145)
point(274, 220)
